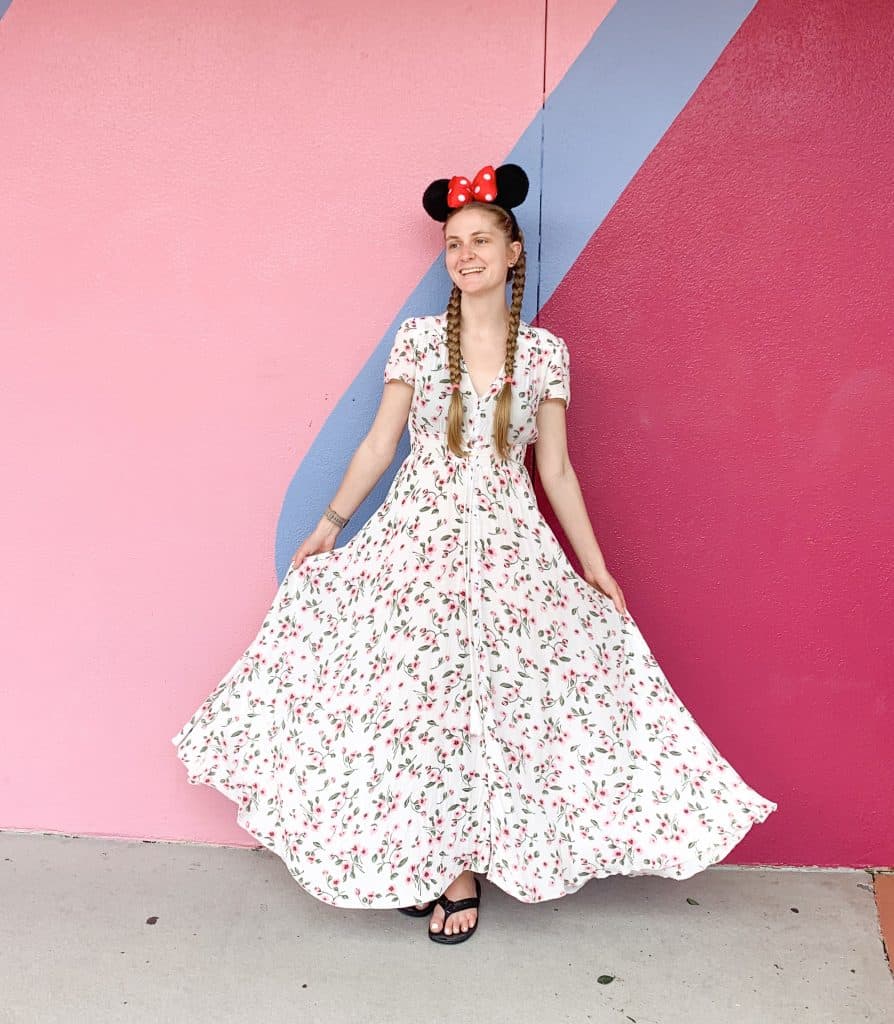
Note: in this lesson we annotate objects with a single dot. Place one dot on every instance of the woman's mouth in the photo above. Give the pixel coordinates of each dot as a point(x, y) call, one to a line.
point(471, 270)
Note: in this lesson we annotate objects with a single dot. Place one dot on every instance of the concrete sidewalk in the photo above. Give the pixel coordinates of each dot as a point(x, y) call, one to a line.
point(99, 930)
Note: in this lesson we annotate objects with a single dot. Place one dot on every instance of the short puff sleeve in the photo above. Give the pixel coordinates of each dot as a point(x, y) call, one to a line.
point(401, 362)
point(557, 373)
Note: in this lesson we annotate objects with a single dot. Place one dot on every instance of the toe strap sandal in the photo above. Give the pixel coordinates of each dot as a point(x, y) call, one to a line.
point(416, 912)
point(451, 907)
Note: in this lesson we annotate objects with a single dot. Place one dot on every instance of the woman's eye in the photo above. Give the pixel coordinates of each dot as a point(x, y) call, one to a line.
point(482, 239)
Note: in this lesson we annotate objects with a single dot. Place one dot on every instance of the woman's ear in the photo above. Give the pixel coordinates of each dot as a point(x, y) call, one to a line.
point(516, 248)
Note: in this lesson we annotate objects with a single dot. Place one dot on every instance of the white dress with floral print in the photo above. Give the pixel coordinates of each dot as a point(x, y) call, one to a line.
point(445, 692)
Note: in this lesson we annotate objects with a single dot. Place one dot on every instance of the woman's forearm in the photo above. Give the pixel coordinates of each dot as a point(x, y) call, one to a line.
point(364, 470)
point(565, 496)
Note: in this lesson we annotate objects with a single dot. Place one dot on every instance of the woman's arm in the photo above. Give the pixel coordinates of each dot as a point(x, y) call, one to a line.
point(373, 456)
point(561, 486)
point(376, 451)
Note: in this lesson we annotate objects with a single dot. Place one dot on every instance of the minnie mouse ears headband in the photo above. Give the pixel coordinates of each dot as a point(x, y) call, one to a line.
point(507, 186)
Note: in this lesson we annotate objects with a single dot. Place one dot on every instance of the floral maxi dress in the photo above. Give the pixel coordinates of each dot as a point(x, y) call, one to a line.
point(444, 692)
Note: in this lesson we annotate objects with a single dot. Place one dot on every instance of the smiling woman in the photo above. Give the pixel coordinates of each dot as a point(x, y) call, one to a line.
point(444, 695)
point(484, 249)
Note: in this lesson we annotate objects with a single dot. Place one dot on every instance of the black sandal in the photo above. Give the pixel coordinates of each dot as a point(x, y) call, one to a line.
point(451, 907)
point(416, 912)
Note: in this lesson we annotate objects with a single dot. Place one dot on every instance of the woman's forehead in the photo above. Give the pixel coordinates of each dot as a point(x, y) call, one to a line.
point(471, 222)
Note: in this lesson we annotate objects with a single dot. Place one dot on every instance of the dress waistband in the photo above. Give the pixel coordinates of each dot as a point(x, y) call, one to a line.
point(476, 447)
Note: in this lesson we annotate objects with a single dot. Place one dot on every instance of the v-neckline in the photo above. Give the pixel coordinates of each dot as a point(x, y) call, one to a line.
point(490, 389)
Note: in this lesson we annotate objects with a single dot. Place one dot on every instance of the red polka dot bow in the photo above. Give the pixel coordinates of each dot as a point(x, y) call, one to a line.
point(482, 188)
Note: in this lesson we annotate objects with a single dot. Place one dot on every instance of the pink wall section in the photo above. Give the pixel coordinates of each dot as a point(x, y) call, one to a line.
point(216, 212)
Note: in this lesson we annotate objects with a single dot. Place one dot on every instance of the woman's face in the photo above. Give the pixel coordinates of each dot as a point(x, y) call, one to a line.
point(476, 251)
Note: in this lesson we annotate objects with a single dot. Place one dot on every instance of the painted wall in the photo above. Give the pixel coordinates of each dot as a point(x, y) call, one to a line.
point(215, 225)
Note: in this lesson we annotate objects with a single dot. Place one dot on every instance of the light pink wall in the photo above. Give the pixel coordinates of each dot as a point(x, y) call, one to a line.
point(211, 212)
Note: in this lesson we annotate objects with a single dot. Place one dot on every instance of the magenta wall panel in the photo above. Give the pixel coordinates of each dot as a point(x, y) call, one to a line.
point(729, 326)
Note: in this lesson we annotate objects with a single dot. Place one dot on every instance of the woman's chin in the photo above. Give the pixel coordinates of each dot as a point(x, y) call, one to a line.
point(475, 287)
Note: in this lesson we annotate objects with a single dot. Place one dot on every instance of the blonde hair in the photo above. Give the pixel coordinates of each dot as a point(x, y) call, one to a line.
point(515, 274)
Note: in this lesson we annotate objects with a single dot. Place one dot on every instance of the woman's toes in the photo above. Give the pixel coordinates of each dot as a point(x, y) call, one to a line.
point(460, 922)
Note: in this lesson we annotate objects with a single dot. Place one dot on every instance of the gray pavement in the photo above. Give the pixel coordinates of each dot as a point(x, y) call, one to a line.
point(237, 939)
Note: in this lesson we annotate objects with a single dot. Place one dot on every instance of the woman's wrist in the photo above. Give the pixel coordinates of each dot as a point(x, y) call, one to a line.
point(333, 517)
point(593, 565)
point(327, 529)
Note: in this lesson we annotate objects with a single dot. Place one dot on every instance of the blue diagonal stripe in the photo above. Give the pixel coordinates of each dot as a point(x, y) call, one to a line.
point(613, 105)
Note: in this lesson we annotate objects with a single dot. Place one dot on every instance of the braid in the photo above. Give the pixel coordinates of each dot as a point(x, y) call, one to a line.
point(455, 410)
point(503, 411)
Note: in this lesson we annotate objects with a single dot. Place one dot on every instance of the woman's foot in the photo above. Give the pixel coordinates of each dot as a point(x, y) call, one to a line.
point(461, 888)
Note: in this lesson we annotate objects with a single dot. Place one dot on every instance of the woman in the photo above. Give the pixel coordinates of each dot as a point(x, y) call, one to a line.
point(444, 695)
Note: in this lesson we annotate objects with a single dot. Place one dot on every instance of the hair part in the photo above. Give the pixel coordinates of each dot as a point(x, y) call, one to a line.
point(516, 274)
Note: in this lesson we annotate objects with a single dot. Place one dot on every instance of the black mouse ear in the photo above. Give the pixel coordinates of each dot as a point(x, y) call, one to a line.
point(434, 199)
point(512, 186)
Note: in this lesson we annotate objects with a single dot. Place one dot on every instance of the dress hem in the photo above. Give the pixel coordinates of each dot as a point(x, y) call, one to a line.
point(397, 899)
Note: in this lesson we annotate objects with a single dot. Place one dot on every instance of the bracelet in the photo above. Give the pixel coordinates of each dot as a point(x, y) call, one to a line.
point(334, 517)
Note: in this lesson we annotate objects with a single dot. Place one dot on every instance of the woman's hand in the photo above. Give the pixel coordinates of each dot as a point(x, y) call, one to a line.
point(322, 539)
point(603, 581)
